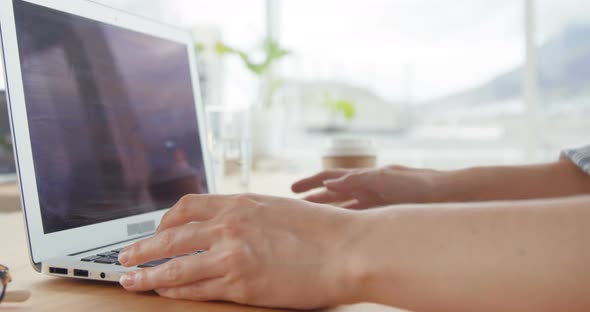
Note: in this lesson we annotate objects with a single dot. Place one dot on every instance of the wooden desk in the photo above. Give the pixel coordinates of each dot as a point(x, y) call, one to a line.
point(59, 294)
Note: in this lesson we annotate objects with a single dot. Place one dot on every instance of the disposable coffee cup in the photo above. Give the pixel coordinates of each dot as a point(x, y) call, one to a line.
point(350, 153)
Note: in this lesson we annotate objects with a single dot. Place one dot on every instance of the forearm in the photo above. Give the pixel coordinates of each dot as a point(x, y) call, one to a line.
point(520, 256)
point(557, 179)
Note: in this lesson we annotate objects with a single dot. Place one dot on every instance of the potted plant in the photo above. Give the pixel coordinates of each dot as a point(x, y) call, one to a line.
point(267, 119)
point(342, 112)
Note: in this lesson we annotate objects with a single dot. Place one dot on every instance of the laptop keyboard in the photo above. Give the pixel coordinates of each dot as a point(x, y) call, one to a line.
point(111, 257)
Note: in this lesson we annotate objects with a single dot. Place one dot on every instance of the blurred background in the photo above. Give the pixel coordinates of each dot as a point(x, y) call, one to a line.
point(440, 84)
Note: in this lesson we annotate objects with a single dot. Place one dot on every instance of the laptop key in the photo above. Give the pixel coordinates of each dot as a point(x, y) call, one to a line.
point(153, 263)
point(107, 254)
point(105, 260)
point(90, 259)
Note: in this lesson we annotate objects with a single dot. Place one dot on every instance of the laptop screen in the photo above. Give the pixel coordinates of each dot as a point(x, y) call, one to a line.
point(111, 116)
point(7, 165)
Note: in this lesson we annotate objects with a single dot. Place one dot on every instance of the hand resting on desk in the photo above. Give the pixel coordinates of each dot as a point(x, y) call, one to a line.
point(370, 188)
point(262, 250)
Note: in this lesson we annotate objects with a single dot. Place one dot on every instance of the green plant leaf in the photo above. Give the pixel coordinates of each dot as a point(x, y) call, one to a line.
point(343, 106)
point(222, 49)
point(272, 53)
point(347, 108)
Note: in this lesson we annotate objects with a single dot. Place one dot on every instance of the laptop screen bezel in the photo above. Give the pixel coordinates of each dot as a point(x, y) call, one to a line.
point(45, 246)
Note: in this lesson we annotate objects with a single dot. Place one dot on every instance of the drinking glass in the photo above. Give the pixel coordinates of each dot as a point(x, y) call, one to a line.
point(229, 144)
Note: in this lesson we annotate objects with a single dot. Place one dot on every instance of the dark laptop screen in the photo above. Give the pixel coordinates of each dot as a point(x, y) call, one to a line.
point(111, 115)
point(6, 155)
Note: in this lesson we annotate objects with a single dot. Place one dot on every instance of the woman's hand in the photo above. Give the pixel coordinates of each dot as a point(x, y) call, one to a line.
point(369, 188)
point(263, 251)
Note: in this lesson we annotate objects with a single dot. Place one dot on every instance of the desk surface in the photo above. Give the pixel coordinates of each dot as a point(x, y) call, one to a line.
point(52, 294)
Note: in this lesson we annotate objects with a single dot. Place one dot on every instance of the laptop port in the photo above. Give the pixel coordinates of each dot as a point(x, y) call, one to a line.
point(81, 273)
point(59, 271)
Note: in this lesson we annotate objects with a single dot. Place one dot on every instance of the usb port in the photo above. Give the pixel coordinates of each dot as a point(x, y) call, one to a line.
point(58, 271)
point(80, 273)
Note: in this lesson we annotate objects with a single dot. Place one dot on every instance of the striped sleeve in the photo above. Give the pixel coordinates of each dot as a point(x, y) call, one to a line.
point(579, 156)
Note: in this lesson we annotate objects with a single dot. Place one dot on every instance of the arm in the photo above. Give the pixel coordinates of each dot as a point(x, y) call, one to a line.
point(396, 184)
point(558, 179)
point(512, 256)
point(275, 252)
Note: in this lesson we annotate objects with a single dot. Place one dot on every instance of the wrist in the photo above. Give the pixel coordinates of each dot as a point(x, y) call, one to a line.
point(347, 265)
point(362, 269)
point(448, 186)
point(437, 187)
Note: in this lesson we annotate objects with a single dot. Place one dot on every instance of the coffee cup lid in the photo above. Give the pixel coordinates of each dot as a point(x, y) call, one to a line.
point(350, 147)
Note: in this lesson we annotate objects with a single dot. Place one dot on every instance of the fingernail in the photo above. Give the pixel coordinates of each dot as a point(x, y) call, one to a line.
point(123, 257)
point(329, 182)
point(128, 279)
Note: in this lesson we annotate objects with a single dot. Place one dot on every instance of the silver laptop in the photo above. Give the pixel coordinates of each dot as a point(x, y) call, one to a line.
point(7, 165)
point(108, 129)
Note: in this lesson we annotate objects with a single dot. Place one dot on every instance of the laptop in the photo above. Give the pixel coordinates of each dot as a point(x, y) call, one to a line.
point(7, 166)
point(107, 125)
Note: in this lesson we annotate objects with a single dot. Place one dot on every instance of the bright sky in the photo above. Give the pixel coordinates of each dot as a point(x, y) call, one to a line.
point(414, 47)
point(422, 47)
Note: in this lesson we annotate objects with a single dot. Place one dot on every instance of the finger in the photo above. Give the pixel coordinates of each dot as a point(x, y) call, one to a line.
point(353, 182)
point(181, 240)
point(192, 208)
point(206, 290)
point(327, 197)
point(174, 273)
point(355, 205)
point(317, 180)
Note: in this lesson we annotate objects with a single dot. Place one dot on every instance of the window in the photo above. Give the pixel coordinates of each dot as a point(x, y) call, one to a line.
point(422, 74)
point(436, 83)
point(563, 71)
point(444, 83)
point(241, 22)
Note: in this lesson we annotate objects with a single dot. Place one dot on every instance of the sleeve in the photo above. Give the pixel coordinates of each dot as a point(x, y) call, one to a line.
point(579, 156)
